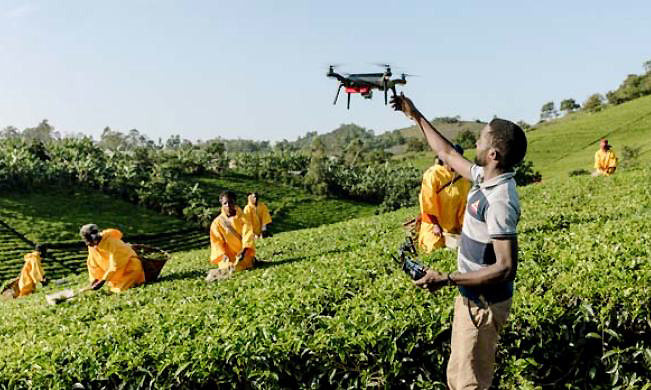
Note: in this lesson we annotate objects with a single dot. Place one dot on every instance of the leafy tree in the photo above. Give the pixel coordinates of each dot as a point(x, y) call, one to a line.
point(112, 140)
point(647, 66)
point(9, 132)
point(467, 139)
point(594, 103)
point(43, 132)
point(523, 125)
point(416, 145)
point(569, 105)
point(548, 111)
point(353, 151)
point(315, 179)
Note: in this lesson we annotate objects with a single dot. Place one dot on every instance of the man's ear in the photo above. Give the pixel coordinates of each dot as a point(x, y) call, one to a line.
point(493, 155)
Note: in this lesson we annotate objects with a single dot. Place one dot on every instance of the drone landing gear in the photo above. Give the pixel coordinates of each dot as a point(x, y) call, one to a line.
point(337, 95)
point(348, 104)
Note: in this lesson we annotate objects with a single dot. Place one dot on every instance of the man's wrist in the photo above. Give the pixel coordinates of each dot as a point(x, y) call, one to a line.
point(451, 281)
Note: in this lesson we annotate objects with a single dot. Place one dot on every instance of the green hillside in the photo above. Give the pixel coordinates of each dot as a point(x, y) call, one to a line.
point(54, 214)
point(292, 208)
point(328, 308)
point(569, 143)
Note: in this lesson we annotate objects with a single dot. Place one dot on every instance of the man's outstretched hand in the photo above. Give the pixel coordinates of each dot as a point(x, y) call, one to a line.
point(404, 104)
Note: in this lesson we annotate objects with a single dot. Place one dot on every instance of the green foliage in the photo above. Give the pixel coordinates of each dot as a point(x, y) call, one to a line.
point(526, 174)
point(633, 87)
point(416, 145)
point(467, 139)
point(578, 172)
point(327, 308)
point(594, 103)
point(548, 111)
point(630, 156)
point(569, 105)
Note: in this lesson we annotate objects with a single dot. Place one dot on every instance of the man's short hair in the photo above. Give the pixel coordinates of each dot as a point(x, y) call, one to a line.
point(509, 140)
point(229, 194)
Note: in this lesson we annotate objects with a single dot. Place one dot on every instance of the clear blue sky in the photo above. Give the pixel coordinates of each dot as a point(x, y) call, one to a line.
point(256, 69)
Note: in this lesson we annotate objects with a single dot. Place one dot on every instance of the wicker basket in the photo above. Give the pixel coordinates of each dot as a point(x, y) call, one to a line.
point(10, 290)
point(153, 260)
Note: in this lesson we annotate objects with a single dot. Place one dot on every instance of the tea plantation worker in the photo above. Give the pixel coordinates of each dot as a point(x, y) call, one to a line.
point(232, 242)
point(442, 201)
point(111, 260)
point(32, 272)
point(605, 161)
point(258, 213)
point(488, 250)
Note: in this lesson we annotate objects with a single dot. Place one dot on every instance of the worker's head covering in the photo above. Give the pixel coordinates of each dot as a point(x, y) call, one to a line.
point(90, 233)
point(41, 248)
point(604, 144)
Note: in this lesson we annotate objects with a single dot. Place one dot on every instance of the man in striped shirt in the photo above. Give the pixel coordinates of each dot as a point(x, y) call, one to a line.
point(488, 250)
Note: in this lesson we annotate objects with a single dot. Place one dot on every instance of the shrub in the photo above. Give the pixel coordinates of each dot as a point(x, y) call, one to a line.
point(526, 174)
point(578, 172)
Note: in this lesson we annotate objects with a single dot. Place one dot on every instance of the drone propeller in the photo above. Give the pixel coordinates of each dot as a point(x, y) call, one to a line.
point(405, 75)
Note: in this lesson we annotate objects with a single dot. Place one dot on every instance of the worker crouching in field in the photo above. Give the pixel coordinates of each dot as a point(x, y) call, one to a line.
point(605, 161)
point(232, 243)
point(442, 204)
point(111, 260)
point(258, 213)
point(32, 272)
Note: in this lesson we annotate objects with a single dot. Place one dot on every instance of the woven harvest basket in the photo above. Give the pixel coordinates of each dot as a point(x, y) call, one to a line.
point(153, 260)
point(10, 290)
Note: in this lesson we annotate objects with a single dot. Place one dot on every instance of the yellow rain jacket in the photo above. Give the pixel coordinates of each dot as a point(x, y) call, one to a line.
point(605, 160)
point(115, 262)
point(445, 204)
point(258, 215)
point(31, 274)
point(228, 235)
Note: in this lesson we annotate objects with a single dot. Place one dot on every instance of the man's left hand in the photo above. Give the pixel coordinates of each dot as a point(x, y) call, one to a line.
point(432, 281)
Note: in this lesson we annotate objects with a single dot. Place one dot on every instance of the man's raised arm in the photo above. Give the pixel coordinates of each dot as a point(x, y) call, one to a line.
point(439, 144)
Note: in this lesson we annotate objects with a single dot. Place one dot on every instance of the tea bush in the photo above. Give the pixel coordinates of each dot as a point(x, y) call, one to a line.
point(327, 308)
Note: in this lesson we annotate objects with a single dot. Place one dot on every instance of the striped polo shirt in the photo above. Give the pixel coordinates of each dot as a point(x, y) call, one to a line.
point(492, 212)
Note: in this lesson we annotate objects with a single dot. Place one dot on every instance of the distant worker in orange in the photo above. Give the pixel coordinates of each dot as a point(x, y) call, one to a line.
point(442, 201)
point(605, 161)
point(232, 242)
point(258, 213)
point(32, 272)
point(111, 260)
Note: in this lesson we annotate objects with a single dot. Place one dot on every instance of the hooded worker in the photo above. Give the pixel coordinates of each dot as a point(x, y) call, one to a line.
point(605, 161)
point(442, 201)
point(258, 213)
point(232, 242)
point(32, 272)
point(111, 260)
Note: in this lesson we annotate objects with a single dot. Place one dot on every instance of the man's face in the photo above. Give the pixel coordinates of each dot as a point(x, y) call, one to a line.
point(229, 204)
point(604, 145)
point(254, 198)
point(483, 145)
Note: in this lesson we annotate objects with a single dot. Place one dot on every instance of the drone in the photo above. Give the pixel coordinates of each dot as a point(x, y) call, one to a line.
point(364, 83)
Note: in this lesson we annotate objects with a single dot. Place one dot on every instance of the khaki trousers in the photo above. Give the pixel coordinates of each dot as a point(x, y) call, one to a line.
point(475, 333)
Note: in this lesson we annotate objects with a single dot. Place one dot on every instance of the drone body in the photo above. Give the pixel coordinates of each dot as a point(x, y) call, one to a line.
point(365, 83)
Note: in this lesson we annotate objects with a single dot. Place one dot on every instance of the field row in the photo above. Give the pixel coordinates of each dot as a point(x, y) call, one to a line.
point(328, 308)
